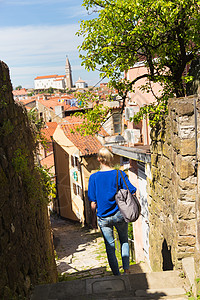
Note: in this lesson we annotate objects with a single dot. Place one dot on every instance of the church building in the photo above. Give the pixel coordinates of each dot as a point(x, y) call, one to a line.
point(60, 82)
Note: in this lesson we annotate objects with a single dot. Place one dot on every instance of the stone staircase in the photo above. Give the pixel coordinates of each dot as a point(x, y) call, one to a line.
point(138, 286)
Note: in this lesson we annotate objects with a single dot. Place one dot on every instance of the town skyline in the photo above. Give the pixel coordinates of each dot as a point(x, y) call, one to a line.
point(37, 41)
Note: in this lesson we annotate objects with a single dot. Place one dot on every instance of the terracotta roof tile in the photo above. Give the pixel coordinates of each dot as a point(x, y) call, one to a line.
point(87, 145)
point(49, 130)
point(49, 163)
point(103, 132)
point(20, 92)
point(47, 76)
point(26, 101)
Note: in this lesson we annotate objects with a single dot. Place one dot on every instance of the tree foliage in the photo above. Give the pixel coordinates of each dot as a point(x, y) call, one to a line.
point(164, 34)
point(19, 87)
point(92, 119)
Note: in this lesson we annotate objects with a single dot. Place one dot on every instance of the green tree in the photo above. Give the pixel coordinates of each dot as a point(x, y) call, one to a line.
point(163, 34)
point(50, 90)
point(19, 87)
point(92, 118)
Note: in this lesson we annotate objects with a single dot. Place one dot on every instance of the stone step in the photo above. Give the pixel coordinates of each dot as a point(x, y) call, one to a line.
point(155, 285)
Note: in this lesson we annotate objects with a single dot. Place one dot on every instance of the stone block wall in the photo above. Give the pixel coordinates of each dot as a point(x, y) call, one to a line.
point(172, 189)
point(197, 248)
point(26, 250)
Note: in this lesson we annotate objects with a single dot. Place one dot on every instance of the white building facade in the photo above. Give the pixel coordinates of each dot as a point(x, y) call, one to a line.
point(59, 82)
point(54, 81)
point(81, 84)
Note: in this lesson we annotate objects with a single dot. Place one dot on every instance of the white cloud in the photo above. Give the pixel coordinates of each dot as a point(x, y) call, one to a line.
point(30, 40)
point(30, 51)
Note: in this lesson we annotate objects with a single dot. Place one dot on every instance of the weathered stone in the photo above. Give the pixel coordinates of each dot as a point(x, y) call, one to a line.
point(166, 167)
point(184, 168)
point(155, 173)
point(185, 252)
point(174, 126)
point(154, 159)
point(167, 149)
point(186, 131)
point(186, 210)
point(168, 135)
point(189, 183)
point(173, 188)
point(164, 181)
point(186, 240)
point(26, 246)
point(187, 227)
point(159, 148)
point(188, 147)
point(187, 195)
point(184, 107)
point(176, 144)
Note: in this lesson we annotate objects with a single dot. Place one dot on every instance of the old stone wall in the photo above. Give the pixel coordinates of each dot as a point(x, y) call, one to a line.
point(26, 251)
point(173, 187)
point(197, 248)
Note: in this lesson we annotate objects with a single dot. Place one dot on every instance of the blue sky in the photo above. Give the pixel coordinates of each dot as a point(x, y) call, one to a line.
point(36, 36)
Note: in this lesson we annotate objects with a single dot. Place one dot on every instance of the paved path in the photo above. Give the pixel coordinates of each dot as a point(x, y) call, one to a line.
point(159, 285)
point(81, 255)
point(80, 251)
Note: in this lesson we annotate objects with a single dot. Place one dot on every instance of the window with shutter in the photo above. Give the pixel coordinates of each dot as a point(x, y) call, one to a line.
point(76, 161)
point(72, 161)
point(80, 191)
point(74, 189)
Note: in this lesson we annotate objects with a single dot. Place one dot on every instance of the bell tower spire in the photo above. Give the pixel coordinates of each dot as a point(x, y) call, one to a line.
point(68, 73)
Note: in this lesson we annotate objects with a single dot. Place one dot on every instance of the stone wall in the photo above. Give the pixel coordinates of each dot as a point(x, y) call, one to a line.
point(197, 248)
point(26, 251)
point(173, 187)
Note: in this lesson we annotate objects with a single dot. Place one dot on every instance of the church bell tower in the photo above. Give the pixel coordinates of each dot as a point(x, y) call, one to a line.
point(68, 73)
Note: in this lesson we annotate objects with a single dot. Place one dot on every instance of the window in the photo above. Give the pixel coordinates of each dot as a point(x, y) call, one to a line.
point(75, 162)
point(77, 190)
point(117, 123)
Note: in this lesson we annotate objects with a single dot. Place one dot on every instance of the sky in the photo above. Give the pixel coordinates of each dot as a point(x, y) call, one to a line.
point(37, 35)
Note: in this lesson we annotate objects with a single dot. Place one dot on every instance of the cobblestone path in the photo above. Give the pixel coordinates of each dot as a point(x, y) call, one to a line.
point(80, 251)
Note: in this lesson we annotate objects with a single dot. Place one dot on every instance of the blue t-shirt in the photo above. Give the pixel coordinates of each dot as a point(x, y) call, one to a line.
point(102, 189)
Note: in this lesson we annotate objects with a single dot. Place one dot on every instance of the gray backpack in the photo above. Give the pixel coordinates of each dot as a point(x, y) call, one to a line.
point(128, 204)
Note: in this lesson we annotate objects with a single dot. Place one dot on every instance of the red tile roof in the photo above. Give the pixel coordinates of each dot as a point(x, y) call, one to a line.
point(49, 130)
point(26, 101)
point(20, 92)
point(48, 76)
point(48, 162)
point(103, 132)
point(87, 145)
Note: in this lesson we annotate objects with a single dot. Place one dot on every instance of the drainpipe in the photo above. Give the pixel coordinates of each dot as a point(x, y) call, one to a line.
point(54, 156)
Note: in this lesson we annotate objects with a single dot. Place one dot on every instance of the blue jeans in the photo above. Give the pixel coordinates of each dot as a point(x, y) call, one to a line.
point(106, 225)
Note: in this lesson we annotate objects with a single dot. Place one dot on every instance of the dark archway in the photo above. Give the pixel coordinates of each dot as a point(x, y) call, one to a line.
point(166, 255)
